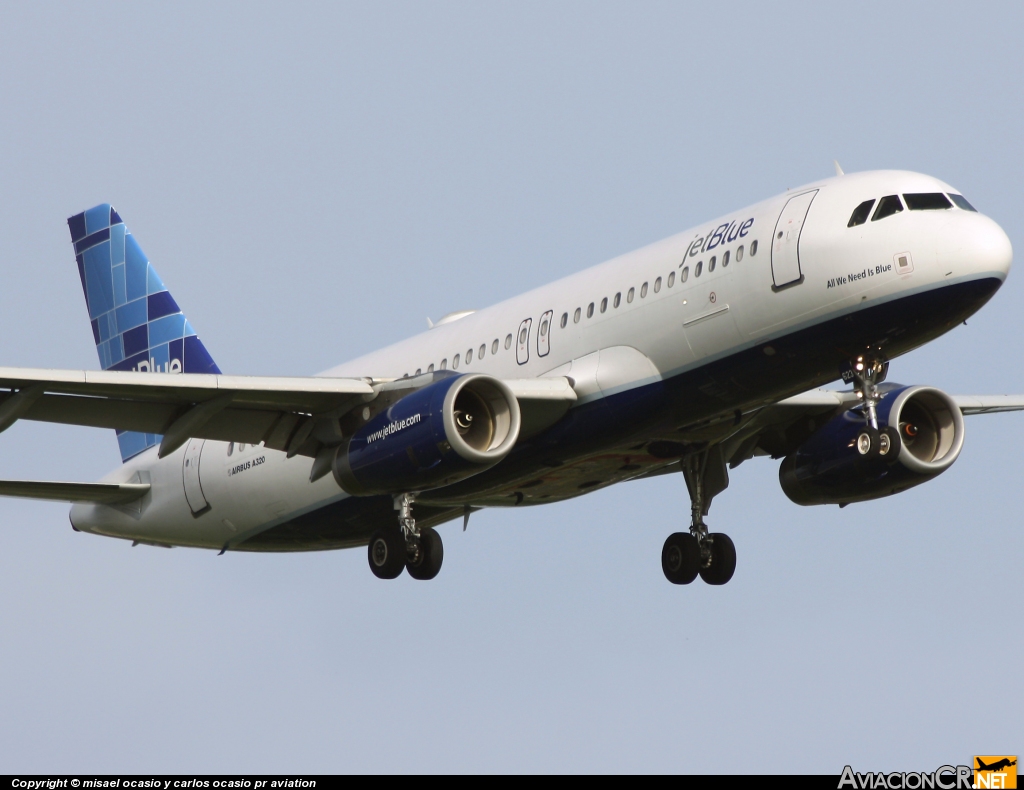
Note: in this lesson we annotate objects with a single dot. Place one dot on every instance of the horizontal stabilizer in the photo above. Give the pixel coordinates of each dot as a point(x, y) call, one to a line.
point(100, 493)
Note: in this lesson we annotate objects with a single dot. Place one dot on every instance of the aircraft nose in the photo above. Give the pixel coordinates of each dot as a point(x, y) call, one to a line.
point(990, 248)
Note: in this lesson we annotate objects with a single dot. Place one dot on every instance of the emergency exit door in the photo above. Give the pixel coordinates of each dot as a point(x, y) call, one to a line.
point(523, 342)
point(786, 269)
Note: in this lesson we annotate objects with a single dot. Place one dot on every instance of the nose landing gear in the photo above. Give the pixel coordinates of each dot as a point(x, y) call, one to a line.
point(866, 372)
point(711, 555)
point(405, 547)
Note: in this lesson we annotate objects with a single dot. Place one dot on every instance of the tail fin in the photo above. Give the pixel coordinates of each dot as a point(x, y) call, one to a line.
point(136, 323)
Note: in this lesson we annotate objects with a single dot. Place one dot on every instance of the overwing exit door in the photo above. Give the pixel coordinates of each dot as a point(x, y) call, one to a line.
point(523, 342)
point(544, 335)
point(786, 241)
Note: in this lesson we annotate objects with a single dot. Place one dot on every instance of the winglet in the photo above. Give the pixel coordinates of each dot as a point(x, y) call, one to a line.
point(839, 170)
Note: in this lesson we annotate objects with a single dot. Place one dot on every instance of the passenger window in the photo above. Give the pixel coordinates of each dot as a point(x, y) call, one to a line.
point(508, 342)
point(926, 201)
point(711, 263)
point(604, 304)
point(494, 347)
point(617, 300)
point(887, 206)
point(231, 448)
point(523, 334)
point(671, 279)
point(753, 248)
point(629, 296)
point(576, 316)
point(418, 371)
point(739, 254)
point(430, 368)
point(684, 275)
point(700, 267)
point(469, 356)
point(643, 291)
point(544, 328)
point(657, 285)
point(725, 259)
point(565, 319)
point(455, 362)
point(482, 351)
point(860, 214)
point(590, 310)
point(444, 363)
point(961, 202)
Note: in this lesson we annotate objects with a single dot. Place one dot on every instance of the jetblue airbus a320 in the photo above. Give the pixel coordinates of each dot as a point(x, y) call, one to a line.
point(691, 355)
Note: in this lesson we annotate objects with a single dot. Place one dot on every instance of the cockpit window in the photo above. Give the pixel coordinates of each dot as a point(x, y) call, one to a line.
point(860, 214)
point(961, 202)
point(887, 206)
point(926, 201)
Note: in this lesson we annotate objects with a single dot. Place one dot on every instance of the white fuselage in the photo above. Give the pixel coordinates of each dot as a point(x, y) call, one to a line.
point(780, 266)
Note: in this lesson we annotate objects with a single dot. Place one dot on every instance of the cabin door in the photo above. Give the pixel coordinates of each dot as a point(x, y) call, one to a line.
point(786, 242)
point(190, 476)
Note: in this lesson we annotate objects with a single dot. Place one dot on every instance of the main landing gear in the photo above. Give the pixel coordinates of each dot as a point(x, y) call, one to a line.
point(866, 372)
point(711, 555)
point(405, 547)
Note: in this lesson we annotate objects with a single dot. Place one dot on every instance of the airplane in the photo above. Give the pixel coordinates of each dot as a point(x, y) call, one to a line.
point(691, 355)
point(998, 765)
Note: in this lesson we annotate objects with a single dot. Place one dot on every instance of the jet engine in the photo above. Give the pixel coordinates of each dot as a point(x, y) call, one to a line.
point(451, 429)
point(921, 431)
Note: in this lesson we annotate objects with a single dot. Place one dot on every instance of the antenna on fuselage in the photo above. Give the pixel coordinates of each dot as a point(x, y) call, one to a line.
point(839, 170)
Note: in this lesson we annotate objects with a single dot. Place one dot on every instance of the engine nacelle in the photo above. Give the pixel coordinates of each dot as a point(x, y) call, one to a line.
point(828, 470)
point(446, 431)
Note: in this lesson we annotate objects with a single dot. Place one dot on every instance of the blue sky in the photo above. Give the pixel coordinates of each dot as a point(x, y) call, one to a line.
point(312, 181)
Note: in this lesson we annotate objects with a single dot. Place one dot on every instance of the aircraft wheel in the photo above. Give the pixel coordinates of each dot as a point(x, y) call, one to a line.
point(868, 444)
point(386, 553)
point(889, 444)
point(723, 560)
point(429, 558)
point(680, 558)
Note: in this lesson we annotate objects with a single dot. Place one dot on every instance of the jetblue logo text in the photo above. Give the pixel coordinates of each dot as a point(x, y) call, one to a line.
point(393, 427)
point(723, 234)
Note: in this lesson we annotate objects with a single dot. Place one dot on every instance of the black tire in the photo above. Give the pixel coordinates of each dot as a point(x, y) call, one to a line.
point(723, 560)
point(431, 555)
point(895, 444)
point(386, 553)
point(867, 444)
point(680, 558)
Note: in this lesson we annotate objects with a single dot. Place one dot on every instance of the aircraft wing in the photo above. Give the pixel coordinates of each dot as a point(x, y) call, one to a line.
point(988, 404)
point(779, 428)
point(281, 412)
point(102, 493)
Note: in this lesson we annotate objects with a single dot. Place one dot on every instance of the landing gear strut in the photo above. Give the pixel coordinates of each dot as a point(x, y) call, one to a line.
point(866, 372)
point(405, 547)
point(712, 555)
